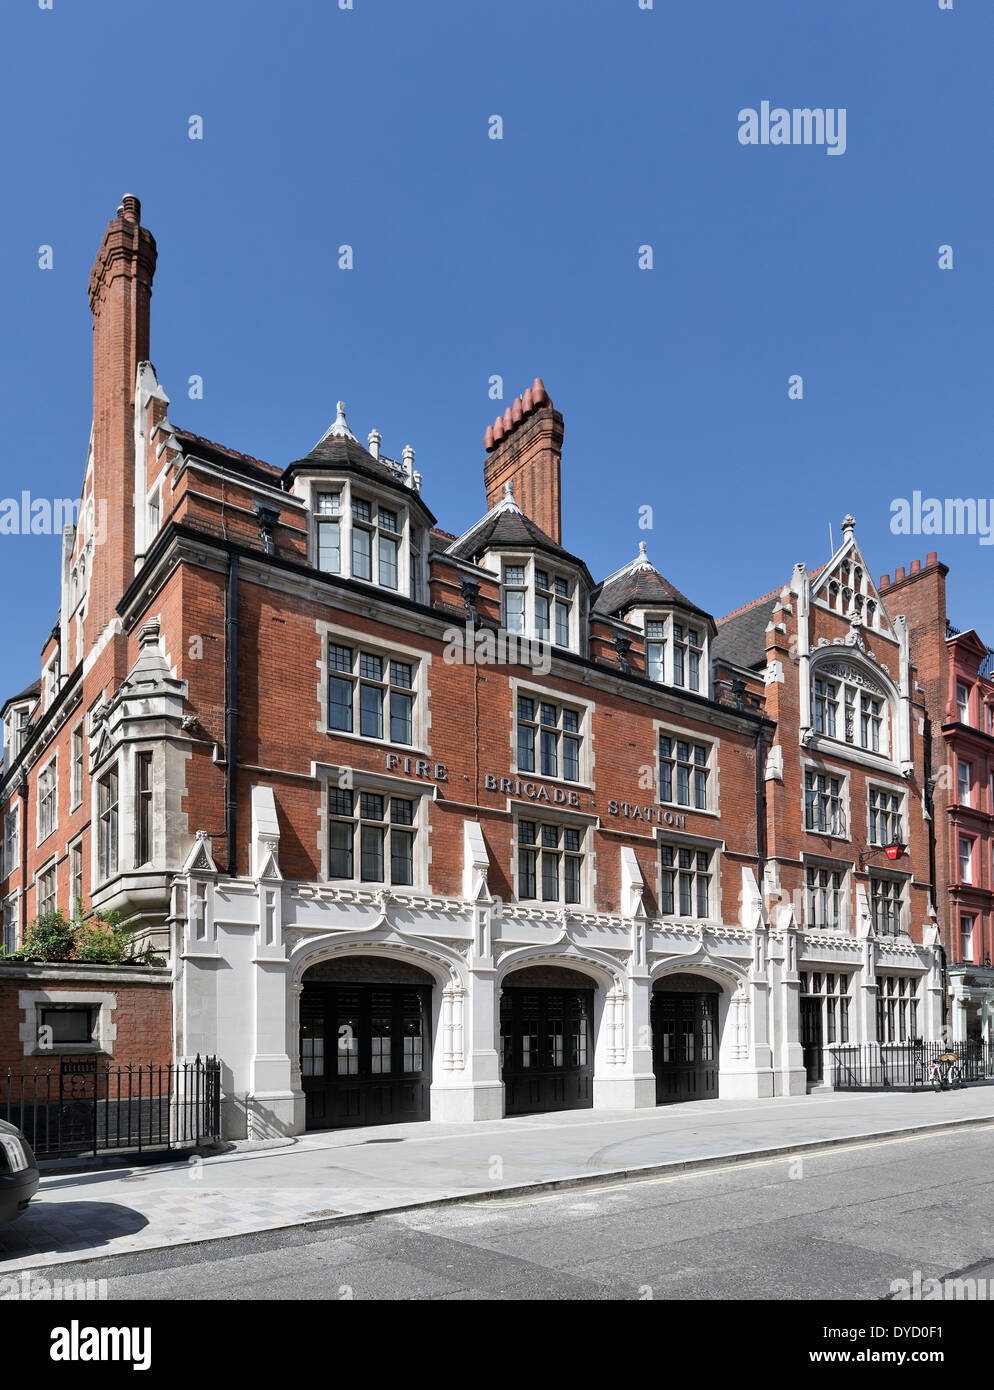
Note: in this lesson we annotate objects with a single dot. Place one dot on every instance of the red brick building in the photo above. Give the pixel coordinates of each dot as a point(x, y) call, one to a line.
point(955, 675)
point(441, 826)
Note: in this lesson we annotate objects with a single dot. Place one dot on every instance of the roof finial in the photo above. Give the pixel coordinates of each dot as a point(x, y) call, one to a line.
point(642, 551)
point(848, 526)
point(508, 492)
point(340, 429)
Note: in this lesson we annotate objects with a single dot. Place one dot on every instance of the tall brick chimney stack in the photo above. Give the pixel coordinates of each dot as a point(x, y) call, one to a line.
point(524, 447)
point(120, 295)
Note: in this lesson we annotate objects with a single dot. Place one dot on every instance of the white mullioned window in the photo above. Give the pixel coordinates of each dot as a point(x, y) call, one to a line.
point(371, 836)
point(75, 873)
point(886, 809)
point(10, 923)
point(824, 898)
point(550, 862)
point(11, 839)
point(676, 653)
point(833, 990)
point(108, 825)
point(371, 693)
point(549, 738)
point(686, 882)
point(824, 803)
point(886, 902)
point(897, 1008)
point(539, 601)
point(76, 788)
point(847, 706)
point(685, 772)
point(46, 890)
point(48, 792)
point(357, 536)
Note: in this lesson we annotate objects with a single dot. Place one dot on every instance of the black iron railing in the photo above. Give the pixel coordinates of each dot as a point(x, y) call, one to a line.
point(83, 1106)
point(903, 1066)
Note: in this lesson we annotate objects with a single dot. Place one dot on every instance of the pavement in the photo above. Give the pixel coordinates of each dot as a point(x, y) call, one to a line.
point(325, 1178)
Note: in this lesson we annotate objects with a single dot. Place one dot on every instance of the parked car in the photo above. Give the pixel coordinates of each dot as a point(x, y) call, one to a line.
point(18, 1173)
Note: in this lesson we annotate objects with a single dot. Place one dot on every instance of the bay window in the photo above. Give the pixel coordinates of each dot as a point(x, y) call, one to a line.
point(357, 536)
point(675, 653)
point(538, 602)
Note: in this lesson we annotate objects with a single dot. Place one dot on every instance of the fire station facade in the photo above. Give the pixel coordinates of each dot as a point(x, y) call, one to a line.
point(437, 826)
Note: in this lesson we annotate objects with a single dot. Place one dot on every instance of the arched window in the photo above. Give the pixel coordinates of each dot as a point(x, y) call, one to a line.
point(852, 706)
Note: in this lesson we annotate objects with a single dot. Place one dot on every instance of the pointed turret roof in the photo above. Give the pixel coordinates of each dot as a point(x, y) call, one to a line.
point(639, 585)
point(506, 526)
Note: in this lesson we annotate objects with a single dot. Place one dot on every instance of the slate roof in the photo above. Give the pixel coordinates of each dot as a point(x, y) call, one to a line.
point(741, 637)
point(639, 585)
point(506, 526)
point(33, 691)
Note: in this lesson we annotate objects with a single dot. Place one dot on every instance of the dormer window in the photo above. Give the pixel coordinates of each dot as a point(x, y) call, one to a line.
point(357, 537)
point(674, 653)
point(533, 591)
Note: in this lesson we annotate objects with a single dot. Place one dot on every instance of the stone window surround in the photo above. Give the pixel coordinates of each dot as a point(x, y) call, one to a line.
point(365, 491)
point(495, 563)
point(680, 839)
point(901, 792)
point(669, 616)
point(387, 785)
point(685, 735)
point(826, 770)
point(332, 634)
point(52, 764)
point(544, 695)
point(31, 1001)
point(566, 819)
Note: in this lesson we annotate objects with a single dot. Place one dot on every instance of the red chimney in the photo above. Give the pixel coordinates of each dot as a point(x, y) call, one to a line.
point(120, 292)
point(524, 447)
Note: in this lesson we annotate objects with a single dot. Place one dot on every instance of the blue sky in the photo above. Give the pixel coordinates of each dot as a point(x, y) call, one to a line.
point(519, 257)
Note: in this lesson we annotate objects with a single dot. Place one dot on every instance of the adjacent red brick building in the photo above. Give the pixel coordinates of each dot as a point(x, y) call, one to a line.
point(438, 825)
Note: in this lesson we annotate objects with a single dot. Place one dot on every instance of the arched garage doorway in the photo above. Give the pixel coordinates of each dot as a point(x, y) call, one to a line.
point(547, 1042)
point(365, 1045)
point(685, 1023)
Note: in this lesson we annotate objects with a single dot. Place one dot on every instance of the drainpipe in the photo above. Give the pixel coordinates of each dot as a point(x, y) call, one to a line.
point(761, 817)
point(231, 715)
point(930, 809)
point(23, 788)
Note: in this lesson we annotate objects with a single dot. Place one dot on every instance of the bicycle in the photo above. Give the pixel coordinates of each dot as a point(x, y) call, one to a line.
point(946, 1073)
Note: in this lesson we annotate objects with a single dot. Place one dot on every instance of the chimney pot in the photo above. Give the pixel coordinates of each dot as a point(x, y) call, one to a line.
point(508, 420)
point(932, 558)
point(539, 394)
point(884, 582)
point(498, 428)
point(488, 438)
point(130, 209)
point(899, 574)
point(528, 401)
point(517, 415)
point(915, 566)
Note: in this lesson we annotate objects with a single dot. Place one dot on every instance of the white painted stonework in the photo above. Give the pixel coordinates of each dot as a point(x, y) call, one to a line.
point(242, 947)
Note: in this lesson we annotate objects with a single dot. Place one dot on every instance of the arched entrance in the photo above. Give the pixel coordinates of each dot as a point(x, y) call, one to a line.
point(547, 1040)
point(365, 1045)
point(685, 1029)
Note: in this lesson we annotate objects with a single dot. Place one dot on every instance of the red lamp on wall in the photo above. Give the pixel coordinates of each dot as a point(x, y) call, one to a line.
point(895, 849)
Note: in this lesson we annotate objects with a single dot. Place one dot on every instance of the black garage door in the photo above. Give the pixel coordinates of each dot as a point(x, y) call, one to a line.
point(365, 1054)
point(685, 1046)
point(547, 1049)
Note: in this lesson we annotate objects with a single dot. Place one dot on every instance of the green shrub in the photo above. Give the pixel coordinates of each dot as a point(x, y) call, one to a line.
point(51, 938)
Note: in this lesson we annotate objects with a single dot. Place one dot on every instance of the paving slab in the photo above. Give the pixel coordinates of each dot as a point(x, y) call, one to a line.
point(325, 1177)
